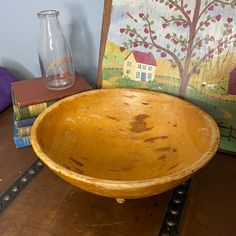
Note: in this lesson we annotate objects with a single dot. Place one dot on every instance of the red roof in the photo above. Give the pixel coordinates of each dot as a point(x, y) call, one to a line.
point(144, 58)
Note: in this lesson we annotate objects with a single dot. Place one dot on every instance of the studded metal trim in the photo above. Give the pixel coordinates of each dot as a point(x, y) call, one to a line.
point(171, 222)
point(7, 197)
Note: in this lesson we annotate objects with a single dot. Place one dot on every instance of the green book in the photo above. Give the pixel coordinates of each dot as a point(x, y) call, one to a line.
point(29, 111)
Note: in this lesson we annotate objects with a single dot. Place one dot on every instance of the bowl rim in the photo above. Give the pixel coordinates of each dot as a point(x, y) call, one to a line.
point(123, 184)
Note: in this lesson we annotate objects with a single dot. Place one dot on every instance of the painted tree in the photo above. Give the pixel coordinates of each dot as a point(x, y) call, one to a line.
point(182, 50)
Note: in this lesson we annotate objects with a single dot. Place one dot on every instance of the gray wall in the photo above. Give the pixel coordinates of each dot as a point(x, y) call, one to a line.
point(81, 22)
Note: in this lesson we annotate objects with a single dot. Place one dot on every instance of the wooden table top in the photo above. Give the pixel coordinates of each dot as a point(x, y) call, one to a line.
point(50, 206)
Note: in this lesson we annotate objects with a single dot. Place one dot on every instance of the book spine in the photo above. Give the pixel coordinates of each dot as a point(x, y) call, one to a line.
point(21, 142)
point(25, 122)
point(24, 131)
point(30, 111)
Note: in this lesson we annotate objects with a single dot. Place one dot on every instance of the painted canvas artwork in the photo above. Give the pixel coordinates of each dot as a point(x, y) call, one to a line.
point(184, 48)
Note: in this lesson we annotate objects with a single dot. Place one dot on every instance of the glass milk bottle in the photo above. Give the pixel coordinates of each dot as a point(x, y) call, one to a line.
point(54, 52)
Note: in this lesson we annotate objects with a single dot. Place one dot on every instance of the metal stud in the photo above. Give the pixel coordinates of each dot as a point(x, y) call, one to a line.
point(174, 211)
point(15, 189)
point(170, 223)
point(31, 171)
point(166, 234)
point(39, 163)
point(24, 179)
point(1, 205)
point(177, 200)
point(180, 191)
point(7, 197)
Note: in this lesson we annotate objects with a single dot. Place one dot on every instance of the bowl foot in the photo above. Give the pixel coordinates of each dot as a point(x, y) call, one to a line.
point(120, 200)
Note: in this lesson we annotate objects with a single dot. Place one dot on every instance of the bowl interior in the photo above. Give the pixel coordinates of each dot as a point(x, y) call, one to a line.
point(124, 134)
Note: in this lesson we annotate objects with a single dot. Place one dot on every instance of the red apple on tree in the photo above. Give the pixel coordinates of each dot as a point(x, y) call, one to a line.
point(141, 15)
point(167, 36)
point(163, 54)
point(218, 17)
point(122, 49)
point(178, 23)
point(164, 25)
point(146, 30)
point(131, 34)
point(188, 12)
point(211, 8)
point(122, 30)
point(229, 20)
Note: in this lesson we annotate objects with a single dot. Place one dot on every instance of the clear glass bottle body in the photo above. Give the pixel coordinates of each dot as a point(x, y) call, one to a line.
point(54, 52)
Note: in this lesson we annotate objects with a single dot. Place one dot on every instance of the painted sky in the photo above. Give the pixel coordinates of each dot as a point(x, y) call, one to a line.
point(123, 8)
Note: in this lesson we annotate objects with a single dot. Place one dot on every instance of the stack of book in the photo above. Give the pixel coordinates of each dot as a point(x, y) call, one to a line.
point(30, 98)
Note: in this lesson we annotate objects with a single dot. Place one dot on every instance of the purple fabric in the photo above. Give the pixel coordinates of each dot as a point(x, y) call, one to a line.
point(6, 78)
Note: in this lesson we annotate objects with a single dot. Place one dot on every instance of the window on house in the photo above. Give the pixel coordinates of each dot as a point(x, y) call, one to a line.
point(128, 71)
point(137, 75)
point(144, 67)
point(139, 66)
point(128, 63)
point(149, 76)
point(150, 68)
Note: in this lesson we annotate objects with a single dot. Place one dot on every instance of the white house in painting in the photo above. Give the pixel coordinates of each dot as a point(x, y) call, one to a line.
point(140, 66)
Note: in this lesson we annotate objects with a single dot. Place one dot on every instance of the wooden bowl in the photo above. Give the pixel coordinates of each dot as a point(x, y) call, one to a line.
point(124, 143)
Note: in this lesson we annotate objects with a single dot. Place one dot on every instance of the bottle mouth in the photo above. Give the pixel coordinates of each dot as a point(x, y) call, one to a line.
point(48, 13)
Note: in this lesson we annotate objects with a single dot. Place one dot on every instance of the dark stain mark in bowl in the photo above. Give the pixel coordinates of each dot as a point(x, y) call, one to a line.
point(151, 140)
point(126, 103)
point(162, 157)
point(163, 149)
point(79, 171)
point(76, 162)
point(66, 166)
point(113, 118)
point(123, 130)
point(172, 167)
point(145, 103)
point(139, 125)
point(174, 150)
point(175, 125)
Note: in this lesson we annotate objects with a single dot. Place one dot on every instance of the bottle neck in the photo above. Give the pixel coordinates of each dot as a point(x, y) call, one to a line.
point(49, 22)
point(50, 25)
